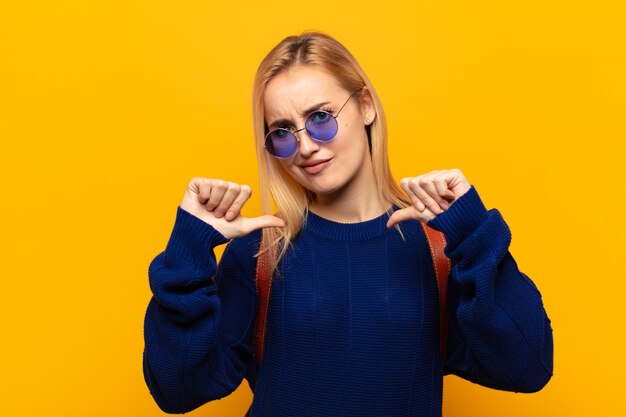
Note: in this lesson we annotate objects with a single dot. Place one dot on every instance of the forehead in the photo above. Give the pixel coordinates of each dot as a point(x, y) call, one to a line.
point(294, 90)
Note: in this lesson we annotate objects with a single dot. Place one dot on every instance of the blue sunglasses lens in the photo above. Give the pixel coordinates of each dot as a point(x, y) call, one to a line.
point(320, 125)
point(281, 143)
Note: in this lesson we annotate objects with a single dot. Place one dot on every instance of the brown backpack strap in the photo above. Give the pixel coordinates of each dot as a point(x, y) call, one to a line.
point(263, 288)
point(442, 264)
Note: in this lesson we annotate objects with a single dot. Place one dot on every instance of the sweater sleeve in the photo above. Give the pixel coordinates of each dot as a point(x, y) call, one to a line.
point(499, 334)
point(199, 321)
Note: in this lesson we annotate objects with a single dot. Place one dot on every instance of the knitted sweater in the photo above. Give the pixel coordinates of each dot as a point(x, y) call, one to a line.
point(353, 323)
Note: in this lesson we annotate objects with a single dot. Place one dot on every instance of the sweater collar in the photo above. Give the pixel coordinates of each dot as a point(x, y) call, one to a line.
point(366, 230)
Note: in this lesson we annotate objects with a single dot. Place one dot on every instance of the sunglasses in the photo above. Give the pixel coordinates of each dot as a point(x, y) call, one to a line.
point(320, 125)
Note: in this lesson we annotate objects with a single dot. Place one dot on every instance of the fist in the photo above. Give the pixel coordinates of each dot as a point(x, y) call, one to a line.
point(431, 194)
point(219, 203)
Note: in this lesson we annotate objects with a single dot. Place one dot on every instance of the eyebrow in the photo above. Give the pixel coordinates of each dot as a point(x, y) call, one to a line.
point(283, 122)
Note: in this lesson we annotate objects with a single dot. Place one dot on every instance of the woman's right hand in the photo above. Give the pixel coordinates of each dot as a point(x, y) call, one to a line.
point(218, 203)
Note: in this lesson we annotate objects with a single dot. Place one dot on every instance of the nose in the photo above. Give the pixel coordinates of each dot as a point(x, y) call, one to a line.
point(306, 145)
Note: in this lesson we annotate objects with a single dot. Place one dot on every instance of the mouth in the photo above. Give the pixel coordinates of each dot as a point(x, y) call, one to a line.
point(315, 167)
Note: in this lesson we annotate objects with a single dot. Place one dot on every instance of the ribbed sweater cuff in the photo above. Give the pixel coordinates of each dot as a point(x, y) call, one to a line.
point(193, 240)
point(462, 218)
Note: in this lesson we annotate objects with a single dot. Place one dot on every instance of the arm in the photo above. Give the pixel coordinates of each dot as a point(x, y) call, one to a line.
point(199, 322)
point(499, 334)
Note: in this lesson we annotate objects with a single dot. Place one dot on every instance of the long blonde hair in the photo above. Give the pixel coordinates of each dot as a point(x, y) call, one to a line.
point(277, 186)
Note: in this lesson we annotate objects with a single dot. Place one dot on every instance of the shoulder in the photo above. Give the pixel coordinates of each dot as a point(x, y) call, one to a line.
point(240, 253)
point(246, 246)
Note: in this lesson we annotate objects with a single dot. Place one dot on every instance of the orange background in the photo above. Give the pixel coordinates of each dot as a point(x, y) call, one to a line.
point(108, 108)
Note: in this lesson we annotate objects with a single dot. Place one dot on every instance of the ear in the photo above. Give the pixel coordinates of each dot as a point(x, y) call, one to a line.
point(366, 103)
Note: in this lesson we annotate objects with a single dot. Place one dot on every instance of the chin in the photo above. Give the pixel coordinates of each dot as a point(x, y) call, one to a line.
point(324, 186)
point(322, 190)
point(318, 184)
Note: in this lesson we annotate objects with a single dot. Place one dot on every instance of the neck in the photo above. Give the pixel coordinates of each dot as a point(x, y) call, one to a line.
point(356, 202)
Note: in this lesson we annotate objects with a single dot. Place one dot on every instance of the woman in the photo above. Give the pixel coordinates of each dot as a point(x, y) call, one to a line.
point(353, 323)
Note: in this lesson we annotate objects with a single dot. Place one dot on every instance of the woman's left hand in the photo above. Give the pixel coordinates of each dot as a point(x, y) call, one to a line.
point(431, 194)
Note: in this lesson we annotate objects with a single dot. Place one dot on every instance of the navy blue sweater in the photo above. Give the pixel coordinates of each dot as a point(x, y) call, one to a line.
point(353, 319)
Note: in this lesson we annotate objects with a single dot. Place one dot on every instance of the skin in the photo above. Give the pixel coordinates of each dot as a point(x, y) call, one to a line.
point(346, 184)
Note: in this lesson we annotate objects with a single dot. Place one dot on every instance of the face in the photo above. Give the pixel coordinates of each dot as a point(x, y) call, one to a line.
point(329, 167)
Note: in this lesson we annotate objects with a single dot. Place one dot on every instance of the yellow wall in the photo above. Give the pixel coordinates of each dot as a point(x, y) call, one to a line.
point(108, 108)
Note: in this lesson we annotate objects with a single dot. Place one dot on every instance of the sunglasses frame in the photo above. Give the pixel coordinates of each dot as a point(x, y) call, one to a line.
point(293, 132)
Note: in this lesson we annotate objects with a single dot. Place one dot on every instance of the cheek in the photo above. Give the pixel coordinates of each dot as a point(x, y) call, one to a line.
point(354, 142)
point(293, 171)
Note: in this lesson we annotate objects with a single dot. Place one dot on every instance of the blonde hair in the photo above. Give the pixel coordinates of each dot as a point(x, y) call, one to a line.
point(277, 186)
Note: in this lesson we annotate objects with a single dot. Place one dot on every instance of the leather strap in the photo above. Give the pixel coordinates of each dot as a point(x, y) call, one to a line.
point(442, 264)
point(263, 288)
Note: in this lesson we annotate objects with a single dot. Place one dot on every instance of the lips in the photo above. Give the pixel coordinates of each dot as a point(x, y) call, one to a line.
point(315, 167)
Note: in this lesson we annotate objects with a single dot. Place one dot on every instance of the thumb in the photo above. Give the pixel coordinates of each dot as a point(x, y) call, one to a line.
point(408, 213)
point(402, 215)
point(262, 222)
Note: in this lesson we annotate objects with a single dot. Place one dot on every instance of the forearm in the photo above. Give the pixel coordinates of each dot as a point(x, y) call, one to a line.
point(503, 335)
